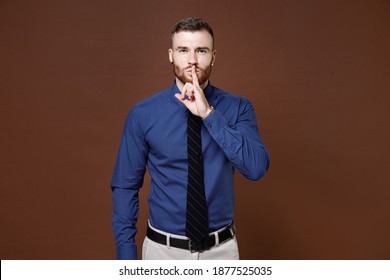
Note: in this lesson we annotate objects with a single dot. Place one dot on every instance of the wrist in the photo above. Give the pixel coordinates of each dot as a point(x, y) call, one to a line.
point(210, 111)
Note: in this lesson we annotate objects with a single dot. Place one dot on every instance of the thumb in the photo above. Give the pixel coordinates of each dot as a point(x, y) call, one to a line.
point(180, 97)
point(184, 100)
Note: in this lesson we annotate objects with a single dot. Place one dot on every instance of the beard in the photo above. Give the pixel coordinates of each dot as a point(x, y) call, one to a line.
point(203, 74)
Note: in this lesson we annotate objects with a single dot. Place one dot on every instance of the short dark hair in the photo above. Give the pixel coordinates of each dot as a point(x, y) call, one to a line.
point(192, 24)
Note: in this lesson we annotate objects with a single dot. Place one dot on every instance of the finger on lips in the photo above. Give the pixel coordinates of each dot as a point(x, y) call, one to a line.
point(194, 77)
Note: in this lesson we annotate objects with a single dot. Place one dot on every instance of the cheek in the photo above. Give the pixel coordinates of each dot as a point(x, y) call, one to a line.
point(205, 61)
point(179, 59)
point(178, 66)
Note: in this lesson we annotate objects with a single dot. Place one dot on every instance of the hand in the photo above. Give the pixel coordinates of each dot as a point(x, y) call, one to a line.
point(196, 101)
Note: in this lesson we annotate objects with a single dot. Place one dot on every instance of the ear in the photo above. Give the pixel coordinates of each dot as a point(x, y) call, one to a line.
point(170, 55)
point(213, 57)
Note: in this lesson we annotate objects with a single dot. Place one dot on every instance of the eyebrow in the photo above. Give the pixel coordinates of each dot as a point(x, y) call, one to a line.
point(199, 48)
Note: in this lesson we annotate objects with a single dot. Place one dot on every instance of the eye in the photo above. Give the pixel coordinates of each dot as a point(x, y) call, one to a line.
point(202, 51)
point(182, 50)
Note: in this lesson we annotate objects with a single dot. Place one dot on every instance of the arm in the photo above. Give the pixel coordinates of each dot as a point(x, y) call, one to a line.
point(241, 141)
point(126, 181)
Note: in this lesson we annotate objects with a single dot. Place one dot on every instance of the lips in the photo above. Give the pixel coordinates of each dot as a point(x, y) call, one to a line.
point(190, 70)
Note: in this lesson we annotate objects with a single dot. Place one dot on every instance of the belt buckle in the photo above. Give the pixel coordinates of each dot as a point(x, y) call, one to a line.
point(195, 247)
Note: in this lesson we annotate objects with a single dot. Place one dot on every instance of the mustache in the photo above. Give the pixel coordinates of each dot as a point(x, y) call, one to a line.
point(196, 68)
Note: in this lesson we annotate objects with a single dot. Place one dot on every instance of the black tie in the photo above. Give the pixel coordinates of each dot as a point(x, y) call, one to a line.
point(197, 218)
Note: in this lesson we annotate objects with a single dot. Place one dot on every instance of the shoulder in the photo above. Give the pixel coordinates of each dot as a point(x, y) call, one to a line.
point(152, 104)
point(230, 99)
point(144, 113)
point(153, 100)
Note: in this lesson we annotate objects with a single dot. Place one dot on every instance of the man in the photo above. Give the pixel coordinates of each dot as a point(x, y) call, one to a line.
point(191, 136)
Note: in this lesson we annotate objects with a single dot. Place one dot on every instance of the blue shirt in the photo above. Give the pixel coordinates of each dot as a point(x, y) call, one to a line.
point(155, 136)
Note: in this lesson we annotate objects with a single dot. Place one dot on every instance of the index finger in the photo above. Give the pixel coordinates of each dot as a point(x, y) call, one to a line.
point(194, 77)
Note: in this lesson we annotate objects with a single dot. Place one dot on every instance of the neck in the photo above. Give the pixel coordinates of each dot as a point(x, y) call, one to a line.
point(180, 84)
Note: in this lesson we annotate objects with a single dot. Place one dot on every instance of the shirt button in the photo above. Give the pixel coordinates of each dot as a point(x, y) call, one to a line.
point(209, 125)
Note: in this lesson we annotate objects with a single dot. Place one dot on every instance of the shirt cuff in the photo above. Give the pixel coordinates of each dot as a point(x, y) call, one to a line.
point(215, 122)
point(128, 252)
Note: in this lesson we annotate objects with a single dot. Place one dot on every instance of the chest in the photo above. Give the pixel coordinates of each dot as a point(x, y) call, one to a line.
point(167, 137)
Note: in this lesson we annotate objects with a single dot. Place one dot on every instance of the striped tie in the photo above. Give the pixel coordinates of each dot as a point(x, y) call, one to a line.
point(197, 218)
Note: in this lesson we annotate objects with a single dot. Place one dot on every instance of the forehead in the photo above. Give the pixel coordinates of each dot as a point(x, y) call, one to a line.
point(201, 38)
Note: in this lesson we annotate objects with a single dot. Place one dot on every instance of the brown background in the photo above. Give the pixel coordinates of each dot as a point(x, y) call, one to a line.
point(317, 73)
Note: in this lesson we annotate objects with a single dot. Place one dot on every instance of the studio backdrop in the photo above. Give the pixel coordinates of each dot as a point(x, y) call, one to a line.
point(317, 73)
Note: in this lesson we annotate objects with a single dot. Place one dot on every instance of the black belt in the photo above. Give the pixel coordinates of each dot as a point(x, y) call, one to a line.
point(209, 242)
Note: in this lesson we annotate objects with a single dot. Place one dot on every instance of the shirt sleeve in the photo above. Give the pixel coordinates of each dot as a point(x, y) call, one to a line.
point(240, 140)
point(126, 181)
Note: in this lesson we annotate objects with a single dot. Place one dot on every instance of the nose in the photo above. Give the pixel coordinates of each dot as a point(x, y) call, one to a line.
point(193, 60)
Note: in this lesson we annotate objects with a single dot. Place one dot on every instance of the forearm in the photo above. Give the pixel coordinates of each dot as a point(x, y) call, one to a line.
point(241, 144)
point(124, 219)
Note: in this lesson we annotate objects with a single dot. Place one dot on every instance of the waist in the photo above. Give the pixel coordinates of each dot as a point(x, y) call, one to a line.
point(182, 242)
point(173, 219)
